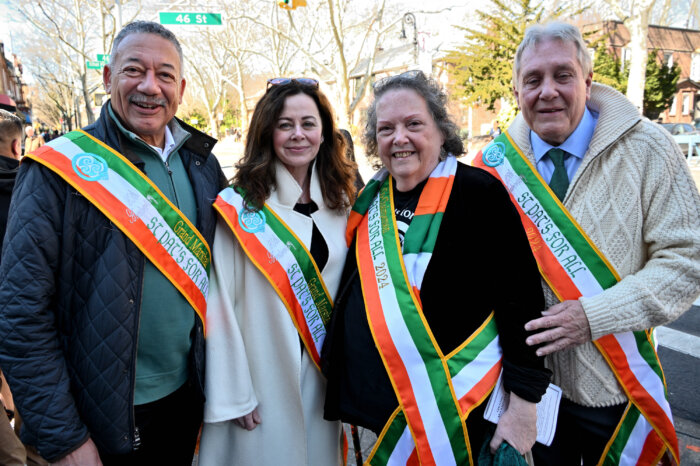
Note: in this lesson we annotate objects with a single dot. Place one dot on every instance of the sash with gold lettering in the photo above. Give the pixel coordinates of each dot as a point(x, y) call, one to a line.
point(573, 267)
point(137, 207)
point(284, 260)
point(430, 418)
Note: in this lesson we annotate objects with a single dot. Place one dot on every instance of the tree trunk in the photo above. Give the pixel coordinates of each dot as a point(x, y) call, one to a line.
point(242, 97)
point(213, 125)
point(86, 98)
point(638, 25)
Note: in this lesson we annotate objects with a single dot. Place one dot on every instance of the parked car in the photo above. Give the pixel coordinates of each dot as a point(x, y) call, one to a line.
point(685, 136)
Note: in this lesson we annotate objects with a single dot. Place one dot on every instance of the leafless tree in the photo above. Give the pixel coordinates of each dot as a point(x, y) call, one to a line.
point(69, 26)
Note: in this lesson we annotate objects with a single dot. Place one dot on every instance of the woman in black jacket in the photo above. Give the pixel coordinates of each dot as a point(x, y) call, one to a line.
point(448, 244)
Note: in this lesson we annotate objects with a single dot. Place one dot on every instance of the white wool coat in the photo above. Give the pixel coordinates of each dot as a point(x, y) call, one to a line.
point(254, 353)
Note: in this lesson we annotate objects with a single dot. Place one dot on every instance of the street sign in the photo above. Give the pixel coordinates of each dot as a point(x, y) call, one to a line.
point(95, 65)
point(193, 19)
point(103, 57)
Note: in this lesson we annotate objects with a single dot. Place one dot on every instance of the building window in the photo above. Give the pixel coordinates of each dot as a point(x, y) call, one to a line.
point(686, 104)
point(626, 55)
point(672, 110)
point(668, 59)
point(695, 67)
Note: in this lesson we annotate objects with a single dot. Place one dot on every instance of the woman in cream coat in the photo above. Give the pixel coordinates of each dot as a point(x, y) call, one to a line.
point(264, 392)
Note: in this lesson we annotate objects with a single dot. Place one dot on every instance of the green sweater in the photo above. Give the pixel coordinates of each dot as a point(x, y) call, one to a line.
point(167, 319)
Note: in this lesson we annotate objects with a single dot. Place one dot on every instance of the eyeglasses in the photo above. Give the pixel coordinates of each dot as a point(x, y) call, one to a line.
point(410, 74)
point(284, 81)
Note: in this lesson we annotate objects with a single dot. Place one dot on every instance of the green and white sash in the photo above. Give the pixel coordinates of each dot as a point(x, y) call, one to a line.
point(573, 267)
point(284, 260)
point(137, 207)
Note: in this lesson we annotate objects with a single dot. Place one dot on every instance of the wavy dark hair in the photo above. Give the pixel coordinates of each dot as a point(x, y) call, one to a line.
point(256, 170)
point(434, 97)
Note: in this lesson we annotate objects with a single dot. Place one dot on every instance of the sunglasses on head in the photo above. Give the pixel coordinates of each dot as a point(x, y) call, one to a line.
point(411, 74)
point(284, 81)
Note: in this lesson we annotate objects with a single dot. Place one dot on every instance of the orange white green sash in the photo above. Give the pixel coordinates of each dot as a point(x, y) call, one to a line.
point(137, 207)
point(391, 280)
point(284, 260)
point(474, 367)
point(573, 267)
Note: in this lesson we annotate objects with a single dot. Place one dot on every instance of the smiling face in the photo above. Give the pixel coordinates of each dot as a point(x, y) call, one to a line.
point(146, 85)
point(408, 139)
point(552, 89)
point(298, 135)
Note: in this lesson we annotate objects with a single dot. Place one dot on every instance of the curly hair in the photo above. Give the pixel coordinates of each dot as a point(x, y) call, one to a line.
point(436, 100)
point(256, 170)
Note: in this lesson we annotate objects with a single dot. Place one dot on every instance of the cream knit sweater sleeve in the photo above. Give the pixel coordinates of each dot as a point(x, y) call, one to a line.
point(649, 230)
point(634, 197)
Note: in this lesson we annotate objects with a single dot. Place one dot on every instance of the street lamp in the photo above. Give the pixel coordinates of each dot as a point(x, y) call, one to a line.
point(410, 19)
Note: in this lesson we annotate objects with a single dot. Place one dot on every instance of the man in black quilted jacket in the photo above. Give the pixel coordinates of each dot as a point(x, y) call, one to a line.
point(103, 280)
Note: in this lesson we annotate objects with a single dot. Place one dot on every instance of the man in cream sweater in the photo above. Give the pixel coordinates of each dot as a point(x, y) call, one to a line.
point(627, 187)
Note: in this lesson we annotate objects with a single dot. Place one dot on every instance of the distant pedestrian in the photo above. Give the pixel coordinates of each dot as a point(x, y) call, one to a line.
point(350, 154)
point(495, 130)
point(32, 141)
point(613, 218)
point(10, 153)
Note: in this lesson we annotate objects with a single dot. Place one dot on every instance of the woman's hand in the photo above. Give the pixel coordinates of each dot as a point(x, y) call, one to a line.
point(517, 426)
point(250, 421)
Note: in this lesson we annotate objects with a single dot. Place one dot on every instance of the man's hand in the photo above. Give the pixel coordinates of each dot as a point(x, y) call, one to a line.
point(250, 421)
point(517, 426)
point(85, 455)
point(565, 325)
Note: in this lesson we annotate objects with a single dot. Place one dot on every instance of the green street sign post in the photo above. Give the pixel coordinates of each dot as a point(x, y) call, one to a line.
point(103, 57)
point(192, 19)
point(95, 65)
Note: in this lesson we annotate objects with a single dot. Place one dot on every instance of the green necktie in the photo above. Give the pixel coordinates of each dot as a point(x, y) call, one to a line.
point(560, 180)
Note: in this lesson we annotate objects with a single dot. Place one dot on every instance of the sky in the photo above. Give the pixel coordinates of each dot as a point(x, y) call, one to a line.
point(10, 24)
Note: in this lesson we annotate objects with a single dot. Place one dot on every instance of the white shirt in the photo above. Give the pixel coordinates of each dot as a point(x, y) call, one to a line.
point(168, 146)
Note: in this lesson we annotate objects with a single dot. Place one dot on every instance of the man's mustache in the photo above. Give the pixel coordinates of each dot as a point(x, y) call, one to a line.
point(146, 100)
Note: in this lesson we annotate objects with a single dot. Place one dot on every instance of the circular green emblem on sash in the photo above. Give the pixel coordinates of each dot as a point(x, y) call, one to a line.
point(494, 154)
point(252, 221)
point(90, 167)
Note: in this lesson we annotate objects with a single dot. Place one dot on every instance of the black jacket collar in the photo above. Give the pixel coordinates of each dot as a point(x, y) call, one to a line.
point(106, 130)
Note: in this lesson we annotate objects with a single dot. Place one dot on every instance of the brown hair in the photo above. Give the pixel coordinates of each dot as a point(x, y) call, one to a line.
point(256, 170)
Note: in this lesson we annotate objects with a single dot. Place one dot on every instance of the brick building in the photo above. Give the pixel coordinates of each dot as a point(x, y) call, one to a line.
point(11, 85)
point(674, 45)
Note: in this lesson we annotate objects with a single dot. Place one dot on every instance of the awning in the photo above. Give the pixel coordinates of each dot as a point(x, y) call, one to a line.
point(6, 103)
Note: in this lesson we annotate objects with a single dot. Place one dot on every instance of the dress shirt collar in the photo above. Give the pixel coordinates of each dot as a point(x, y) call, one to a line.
point(576, 144)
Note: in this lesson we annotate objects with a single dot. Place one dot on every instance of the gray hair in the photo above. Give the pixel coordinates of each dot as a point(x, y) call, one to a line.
point(436, 100)
point(10, 126)
point(555, 30)
point(146, 27)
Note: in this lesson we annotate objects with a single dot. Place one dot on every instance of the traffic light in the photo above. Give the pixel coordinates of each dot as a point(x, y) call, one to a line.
point(291, 4)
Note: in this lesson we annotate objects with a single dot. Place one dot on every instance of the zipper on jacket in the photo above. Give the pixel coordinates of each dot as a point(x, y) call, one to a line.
point(137, 438)
point(135, 430)
point(172, 183)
